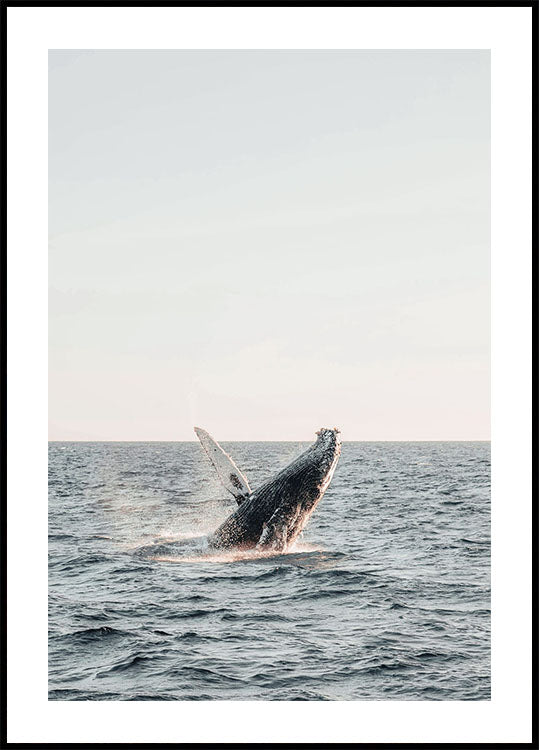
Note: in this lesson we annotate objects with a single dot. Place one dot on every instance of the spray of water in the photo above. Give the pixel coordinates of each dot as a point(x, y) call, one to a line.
point(205, 555)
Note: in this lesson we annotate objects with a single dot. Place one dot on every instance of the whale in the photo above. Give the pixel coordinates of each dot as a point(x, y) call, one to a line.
point(272, 516)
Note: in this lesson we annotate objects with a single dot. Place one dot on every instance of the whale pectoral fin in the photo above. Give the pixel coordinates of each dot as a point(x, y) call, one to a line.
point(231, 477)
point(274, 532)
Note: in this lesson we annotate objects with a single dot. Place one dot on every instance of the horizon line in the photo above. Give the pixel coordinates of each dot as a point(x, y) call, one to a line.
point(224, 440)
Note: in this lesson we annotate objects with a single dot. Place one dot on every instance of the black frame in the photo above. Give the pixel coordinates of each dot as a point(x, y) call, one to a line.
point(534, 4)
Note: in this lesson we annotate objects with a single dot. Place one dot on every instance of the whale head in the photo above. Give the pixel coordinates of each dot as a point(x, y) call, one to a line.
point(300, 488)
point(327, 449)
point(329, 439)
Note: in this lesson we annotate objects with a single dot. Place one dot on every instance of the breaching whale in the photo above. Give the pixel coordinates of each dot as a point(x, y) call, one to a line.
point(272, 516)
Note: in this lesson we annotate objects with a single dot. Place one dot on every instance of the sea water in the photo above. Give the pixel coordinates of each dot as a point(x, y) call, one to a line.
point(386, 596)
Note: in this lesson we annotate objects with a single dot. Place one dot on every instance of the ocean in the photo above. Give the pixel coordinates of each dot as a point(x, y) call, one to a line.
point(386, 596)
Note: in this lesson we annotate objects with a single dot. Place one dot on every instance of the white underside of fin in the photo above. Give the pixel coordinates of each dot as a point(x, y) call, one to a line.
point(275, 532)
point(229, 474)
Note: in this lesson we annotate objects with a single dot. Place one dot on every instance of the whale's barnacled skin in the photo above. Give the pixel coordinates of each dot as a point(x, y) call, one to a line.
point(274, 515)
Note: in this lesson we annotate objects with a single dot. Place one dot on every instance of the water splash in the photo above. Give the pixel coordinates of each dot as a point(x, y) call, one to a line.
point(206, 555)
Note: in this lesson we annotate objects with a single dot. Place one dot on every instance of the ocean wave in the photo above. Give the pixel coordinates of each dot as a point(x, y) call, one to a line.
point(387, 596)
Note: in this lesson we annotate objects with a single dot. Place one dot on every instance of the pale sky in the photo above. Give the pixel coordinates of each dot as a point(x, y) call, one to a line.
point(264, 243)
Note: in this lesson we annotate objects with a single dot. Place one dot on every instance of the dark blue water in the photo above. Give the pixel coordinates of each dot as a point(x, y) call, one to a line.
point(386, 596)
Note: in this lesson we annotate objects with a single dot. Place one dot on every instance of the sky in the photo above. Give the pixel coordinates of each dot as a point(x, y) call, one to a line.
point(262, 243)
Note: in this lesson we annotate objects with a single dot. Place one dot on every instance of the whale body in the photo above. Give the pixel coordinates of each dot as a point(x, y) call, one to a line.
point(272, 516)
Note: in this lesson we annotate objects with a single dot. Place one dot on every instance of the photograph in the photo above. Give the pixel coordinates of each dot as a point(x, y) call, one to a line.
point(269, 374)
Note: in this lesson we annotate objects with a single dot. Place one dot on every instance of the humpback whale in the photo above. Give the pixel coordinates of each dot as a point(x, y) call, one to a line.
point(272, 516)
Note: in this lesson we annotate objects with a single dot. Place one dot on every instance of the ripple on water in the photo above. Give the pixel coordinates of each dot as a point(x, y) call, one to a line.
point(386, 597)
